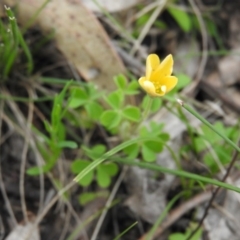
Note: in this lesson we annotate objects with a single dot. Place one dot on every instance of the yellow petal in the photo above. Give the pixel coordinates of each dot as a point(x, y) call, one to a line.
point(148, 86)
point(141, 80)
point(152, 64)
point(163, 70)
point(170, 82)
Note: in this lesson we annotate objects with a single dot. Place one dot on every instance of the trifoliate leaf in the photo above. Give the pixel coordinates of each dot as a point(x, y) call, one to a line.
point(132, 113)
point(103, 179)
point(110, 119)
point(78, 98)
point(147, 154)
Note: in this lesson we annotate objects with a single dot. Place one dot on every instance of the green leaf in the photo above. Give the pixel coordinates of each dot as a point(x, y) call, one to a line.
point(147, 154)
point(182, 18)
point(156, 127)
point(177, 236)
point(78, 166)
point(132, 113)
point(210, 135)
point(94, 110)
point(160, 24)
point(93, 92)
point(144, 131)
point(47, 126)
point(155, 105)
point(120, 81)
point(103, 179)
point(154, 146)
point(164, 137)
point(95, 152)
point(56, 116)
point(142, 20)
point(132, 151)
point(33, 171)
point(132, 88)
point(115, 99)
point(210, 163)
point(86, 197)
point(78, 98)
point(110, 119)
point(224, 153)
point(200, 144)
point(183, 81)
point(110, 168)
point(67, 144)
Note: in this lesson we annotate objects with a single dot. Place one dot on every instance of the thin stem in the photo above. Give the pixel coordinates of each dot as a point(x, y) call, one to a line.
point(178, 173)
point(147, 108)
point(110, 153)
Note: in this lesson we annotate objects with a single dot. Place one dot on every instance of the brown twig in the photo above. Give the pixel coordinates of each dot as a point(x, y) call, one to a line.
point(180, 211)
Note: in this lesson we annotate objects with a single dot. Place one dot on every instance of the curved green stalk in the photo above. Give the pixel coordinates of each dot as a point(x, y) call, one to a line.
point(179, 173)
point(109, 154)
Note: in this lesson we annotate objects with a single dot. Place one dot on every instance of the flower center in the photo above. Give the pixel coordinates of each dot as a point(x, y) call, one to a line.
point(160, 89)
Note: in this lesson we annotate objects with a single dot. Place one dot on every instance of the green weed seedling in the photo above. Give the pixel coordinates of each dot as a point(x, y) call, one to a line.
point(55, 142)
point(104, 171)
point(12, 44)
point(181, 17)
point(208, 140)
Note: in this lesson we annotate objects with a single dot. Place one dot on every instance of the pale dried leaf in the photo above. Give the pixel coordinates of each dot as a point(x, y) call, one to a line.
point(110, 5)
point(79, 36)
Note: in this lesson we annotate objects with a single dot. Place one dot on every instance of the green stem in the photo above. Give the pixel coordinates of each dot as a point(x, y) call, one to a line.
point(203, 120)
point(178, 173)
point(147, 108)
point(108, 154)
point(125, 231)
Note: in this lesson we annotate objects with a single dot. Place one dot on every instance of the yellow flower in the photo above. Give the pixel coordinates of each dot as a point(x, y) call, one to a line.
point(158, 80)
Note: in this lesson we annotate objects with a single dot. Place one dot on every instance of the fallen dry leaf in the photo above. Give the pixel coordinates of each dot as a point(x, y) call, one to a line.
point(109, 5)
point(79, 36)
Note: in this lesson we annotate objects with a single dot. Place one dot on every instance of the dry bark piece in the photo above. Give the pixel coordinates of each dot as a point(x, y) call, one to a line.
point(79, 36)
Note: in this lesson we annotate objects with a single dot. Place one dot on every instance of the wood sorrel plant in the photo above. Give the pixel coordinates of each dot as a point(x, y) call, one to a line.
point(156, 84)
